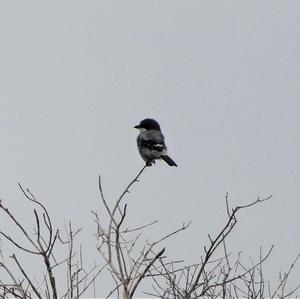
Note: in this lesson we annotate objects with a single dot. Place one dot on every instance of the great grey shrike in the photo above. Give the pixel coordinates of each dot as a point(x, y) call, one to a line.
point(151, 142)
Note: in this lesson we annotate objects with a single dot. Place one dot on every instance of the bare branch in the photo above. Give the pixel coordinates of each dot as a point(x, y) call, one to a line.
point(26, 276)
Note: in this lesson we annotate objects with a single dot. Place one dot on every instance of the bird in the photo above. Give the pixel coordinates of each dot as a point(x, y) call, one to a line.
point(151, 142)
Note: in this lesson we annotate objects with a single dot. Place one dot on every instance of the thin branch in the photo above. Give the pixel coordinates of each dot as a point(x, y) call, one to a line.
point(145, 271)
point(26, 276)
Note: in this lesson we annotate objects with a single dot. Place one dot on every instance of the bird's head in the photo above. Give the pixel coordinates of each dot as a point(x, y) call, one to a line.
point(148, 124)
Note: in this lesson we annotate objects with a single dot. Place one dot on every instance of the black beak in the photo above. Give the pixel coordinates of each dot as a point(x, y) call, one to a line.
point(137, 127)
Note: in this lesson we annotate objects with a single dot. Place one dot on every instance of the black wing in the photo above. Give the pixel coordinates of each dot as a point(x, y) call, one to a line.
point(153, 140)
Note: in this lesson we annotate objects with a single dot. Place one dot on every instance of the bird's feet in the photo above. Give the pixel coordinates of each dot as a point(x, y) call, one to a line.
point(150, 163)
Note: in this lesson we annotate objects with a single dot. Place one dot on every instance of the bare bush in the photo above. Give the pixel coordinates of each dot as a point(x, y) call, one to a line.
point(130, 259)
point(42, 244)
point(117, 246)
point(219, 276)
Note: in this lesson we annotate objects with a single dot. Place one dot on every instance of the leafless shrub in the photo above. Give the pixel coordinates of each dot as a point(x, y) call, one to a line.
point(41, 244)
point(130, 260)
point(222, 276)
point(117, 246)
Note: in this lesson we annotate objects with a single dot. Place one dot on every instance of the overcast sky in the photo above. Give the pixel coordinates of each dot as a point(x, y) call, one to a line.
point(221, 77)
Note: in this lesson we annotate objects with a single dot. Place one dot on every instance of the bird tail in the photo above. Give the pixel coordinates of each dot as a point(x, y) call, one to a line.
point(168, 160)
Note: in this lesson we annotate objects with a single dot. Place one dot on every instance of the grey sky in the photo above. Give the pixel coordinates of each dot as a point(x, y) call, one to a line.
point(221, 77)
